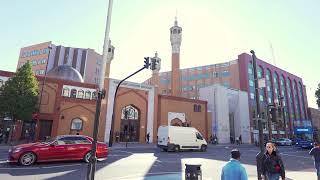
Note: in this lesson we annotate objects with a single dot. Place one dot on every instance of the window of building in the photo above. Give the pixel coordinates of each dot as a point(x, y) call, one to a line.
point(225, 73)
point(94, 95)
point(66, 92)
point(261, 98)
point(197, 108)
point(34, 62)
point(251, 95)
point(269, 100)
point(251, 83)
point(73, 93)
point(87, 95)
point(80, 94)
point(76, 124)
point(268, 88)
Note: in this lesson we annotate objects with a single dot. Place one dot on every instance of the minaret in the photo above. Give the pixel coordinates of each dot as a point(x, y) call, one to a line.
point(175, 38)
point(109, 59)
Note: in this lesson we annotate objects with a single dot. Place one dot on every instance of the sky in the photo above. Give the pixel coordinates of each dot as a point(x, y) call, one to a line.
point(213, 31)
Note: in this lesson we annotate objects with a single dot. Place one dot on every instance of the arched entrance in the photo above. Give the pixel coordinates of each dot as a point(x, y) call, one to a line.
point(130, 124)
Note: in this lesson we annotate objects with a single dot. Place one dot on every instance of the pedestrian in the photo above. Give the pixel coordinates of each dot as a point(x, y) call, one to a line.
point(272, 165)
point(233, 170)
point(148, 137)
point(1, 135)
point(211, 139)
point(240, 139)
point(231, 140)
point(237, 141)
point(315, 152)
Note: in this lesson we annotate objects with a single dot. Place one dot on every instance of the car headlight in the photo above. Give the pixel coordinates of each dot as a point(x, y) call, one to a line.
point(311, 144)
point(296, 143)
point(16, 150)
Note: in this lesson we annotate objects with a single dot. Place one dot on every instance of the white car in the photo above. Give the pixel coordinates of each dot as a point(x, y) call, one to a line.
point(284, 142)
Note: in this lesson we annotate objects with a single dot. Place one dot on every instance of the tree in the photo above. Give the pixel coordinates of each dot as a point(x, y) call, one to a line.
point(19, 95)
point(317, 93)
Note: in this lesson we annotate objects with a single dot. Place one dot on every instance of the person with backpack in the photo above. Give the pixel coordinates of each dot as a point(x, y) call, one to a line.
point(315, 152)
point(272, 165)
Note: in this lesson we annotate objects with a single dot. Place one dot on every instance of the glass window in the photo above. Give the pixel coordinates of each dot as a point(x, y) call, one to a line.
point(261, 97)
point(65, 92)
point(94, 95)
point(73, 93)
point(76, 124)
point(251, 83)
point(269, 100)
point(251, 95)
point(80, 94)
point(268, 88)
point(87, 95)
point(199, 136)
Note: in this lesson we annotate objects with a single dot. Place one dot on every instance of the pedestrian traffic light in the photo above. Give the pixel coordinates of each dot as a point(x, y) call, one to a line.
point(273, 114)
point(146, 62)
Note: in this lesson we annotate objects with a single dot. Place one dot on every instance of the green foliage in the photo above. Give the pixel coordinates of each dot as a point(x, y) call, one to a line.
point(19, 95)
point(317, 93)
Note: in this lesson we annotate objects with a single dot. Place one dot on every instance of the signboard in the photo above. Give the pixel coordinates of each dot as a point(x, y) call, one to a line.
point(303, 130)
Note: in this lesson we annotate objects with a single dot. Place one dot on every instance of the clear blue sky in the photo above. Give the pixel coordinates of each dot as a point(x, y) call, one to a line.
point(213, 31)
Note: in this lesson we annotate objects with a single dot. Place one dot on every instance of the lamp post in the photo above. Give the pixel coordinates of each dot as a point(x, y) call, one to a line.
point(100, 95)
point(260, 154)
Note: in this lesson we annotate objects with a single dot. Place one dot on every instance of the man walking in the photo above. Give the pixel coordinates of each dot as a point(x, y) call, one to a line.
point(148, 138)
point(233, 170)
point(315, 152)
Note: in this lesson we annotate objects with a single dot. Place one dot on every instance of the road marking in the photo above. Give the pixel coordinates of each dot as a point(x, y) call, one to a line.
point(143, 175)
point(45, 167)
point(296, 156)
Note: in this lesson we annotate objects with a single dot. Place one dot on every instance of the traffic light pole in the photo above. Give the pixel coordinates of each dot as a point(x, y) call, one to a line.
point(114, 104)
point(260, 154)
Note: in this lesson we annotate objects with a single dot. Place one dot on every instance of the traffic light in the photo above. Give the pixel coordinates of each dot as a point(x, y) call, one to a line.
point(153, 63)
point(273, 114)
point(146, 62)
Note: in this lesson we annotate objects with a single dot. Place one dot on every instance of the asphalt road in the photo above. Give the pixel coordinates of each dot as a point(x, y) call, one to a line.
point(148, 162)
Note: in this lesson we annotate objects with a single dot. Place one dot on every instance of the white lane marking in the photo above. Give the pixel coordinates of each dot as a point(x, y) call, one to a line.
point(296, 156)
point(141, 175)
point(45, 167)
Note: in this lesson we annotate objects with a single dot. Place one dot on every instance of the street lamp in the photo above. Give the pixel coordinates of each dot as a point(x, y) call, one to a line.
point(260, 154)
point(100, 95)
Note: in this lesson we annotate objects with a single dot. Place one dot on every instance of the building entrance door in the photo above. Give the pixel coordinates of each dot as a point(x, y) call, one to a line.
point(130, 124)
point(45, 129)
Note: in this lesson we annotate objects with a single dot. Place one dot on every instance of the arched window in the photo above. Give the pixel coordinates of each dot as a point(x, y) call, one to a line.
point(129, 112)
point(73, 93)
point(76, 124)
point(94, 95)
point(87, 95)
point(66, 92)
point(80, 94)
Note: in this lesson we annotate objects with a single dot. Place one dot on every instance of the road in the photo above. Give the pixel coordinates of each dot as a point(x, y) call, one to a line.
point(148, 162)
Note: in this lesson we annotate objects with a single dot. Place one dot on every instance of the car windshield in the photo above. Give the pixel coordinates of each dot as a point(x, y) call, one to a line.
point(49, 141)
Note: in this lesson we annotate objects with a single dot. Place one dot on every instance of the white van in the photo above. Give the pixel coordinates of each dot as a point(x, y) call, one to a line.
point(174, 138)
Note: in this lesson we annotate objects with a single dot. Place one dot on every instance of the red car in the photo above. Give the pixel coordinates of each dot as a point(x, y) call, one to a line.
point(61, 148)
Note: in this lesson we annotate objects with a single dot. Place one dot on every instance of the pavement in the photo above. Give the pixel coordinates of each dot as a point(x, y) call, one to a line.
point(147, 162)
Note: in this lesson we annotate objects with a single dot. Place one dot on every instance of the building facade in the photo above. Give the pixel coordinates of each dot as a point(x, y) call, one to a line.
point(68, 107)
point(46, 56)
point(280, 86)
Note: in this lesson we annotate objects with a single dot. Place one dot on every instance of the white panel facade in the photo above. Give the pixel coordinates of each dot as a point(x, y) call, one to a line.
point(222, 102)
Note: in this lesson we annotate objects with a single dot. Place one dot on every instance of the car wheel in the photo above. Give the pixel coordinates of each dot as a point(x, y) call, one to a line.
point(177, 148)
point(203, 148)
point(87, 157)
point(27, 159)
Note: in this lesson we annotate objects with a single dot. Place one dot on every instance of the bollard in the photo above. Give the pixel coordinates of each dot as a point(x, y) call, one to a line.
point(193, 172)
